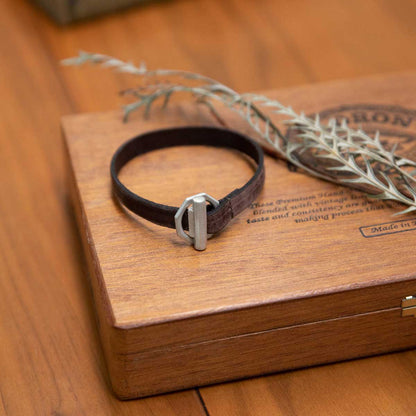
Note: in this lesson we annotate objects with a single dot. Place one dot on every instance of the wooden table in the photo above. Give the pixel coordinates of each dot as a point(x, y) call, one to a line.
point(50, 355)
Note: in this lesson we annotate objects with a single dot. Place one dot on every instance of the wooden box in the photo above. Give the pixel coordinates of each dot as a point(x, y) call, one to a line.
point(312, 273)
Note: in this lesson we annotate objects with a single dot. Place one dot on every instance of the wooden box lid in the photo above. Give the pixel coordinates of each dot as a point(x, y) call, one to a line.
point(306, 251)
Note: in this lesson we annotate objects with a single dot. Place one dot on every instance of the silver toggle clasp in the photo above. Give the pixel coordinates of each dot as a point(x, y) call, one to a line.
point(197, 219)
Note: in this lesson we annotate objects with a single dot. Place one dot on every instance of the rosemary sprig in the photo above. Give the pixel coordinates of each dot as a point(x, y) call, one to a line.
point(334, 152)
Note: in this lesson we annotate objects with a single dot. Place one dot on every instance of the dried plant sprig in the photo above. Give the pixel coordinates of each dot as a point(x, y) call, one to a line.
point(334, 152)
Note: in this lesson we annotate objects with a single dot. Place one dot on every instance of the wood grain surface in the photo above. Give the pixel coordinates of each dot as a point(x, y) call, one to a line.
point(50, 356)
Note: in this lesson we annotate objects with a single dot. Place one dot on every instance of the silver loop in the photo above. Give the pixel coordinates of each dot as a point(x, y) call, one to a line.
point(197, 218)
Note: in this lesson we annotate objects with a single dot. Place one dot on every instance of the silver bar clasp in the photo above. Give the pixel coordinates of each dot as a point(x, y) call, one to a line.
point(197, 219)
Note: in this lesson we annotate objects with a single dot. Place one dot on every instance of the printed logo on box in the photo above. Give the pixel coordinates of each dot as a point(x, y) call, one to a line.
point(393, 227)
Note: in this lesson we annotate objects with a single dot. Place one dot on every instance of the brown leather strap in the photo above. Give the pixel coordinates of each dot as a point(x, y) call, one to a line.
point(230, 206)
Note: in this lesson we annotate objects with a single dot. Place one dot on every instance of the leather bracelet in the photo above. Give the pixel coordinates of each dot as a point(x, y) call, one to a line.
point(194, 215)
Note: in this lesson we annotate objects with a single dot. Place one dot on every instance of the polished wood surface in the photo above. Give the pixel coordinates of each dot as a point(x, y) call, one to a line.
point(50, 355)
